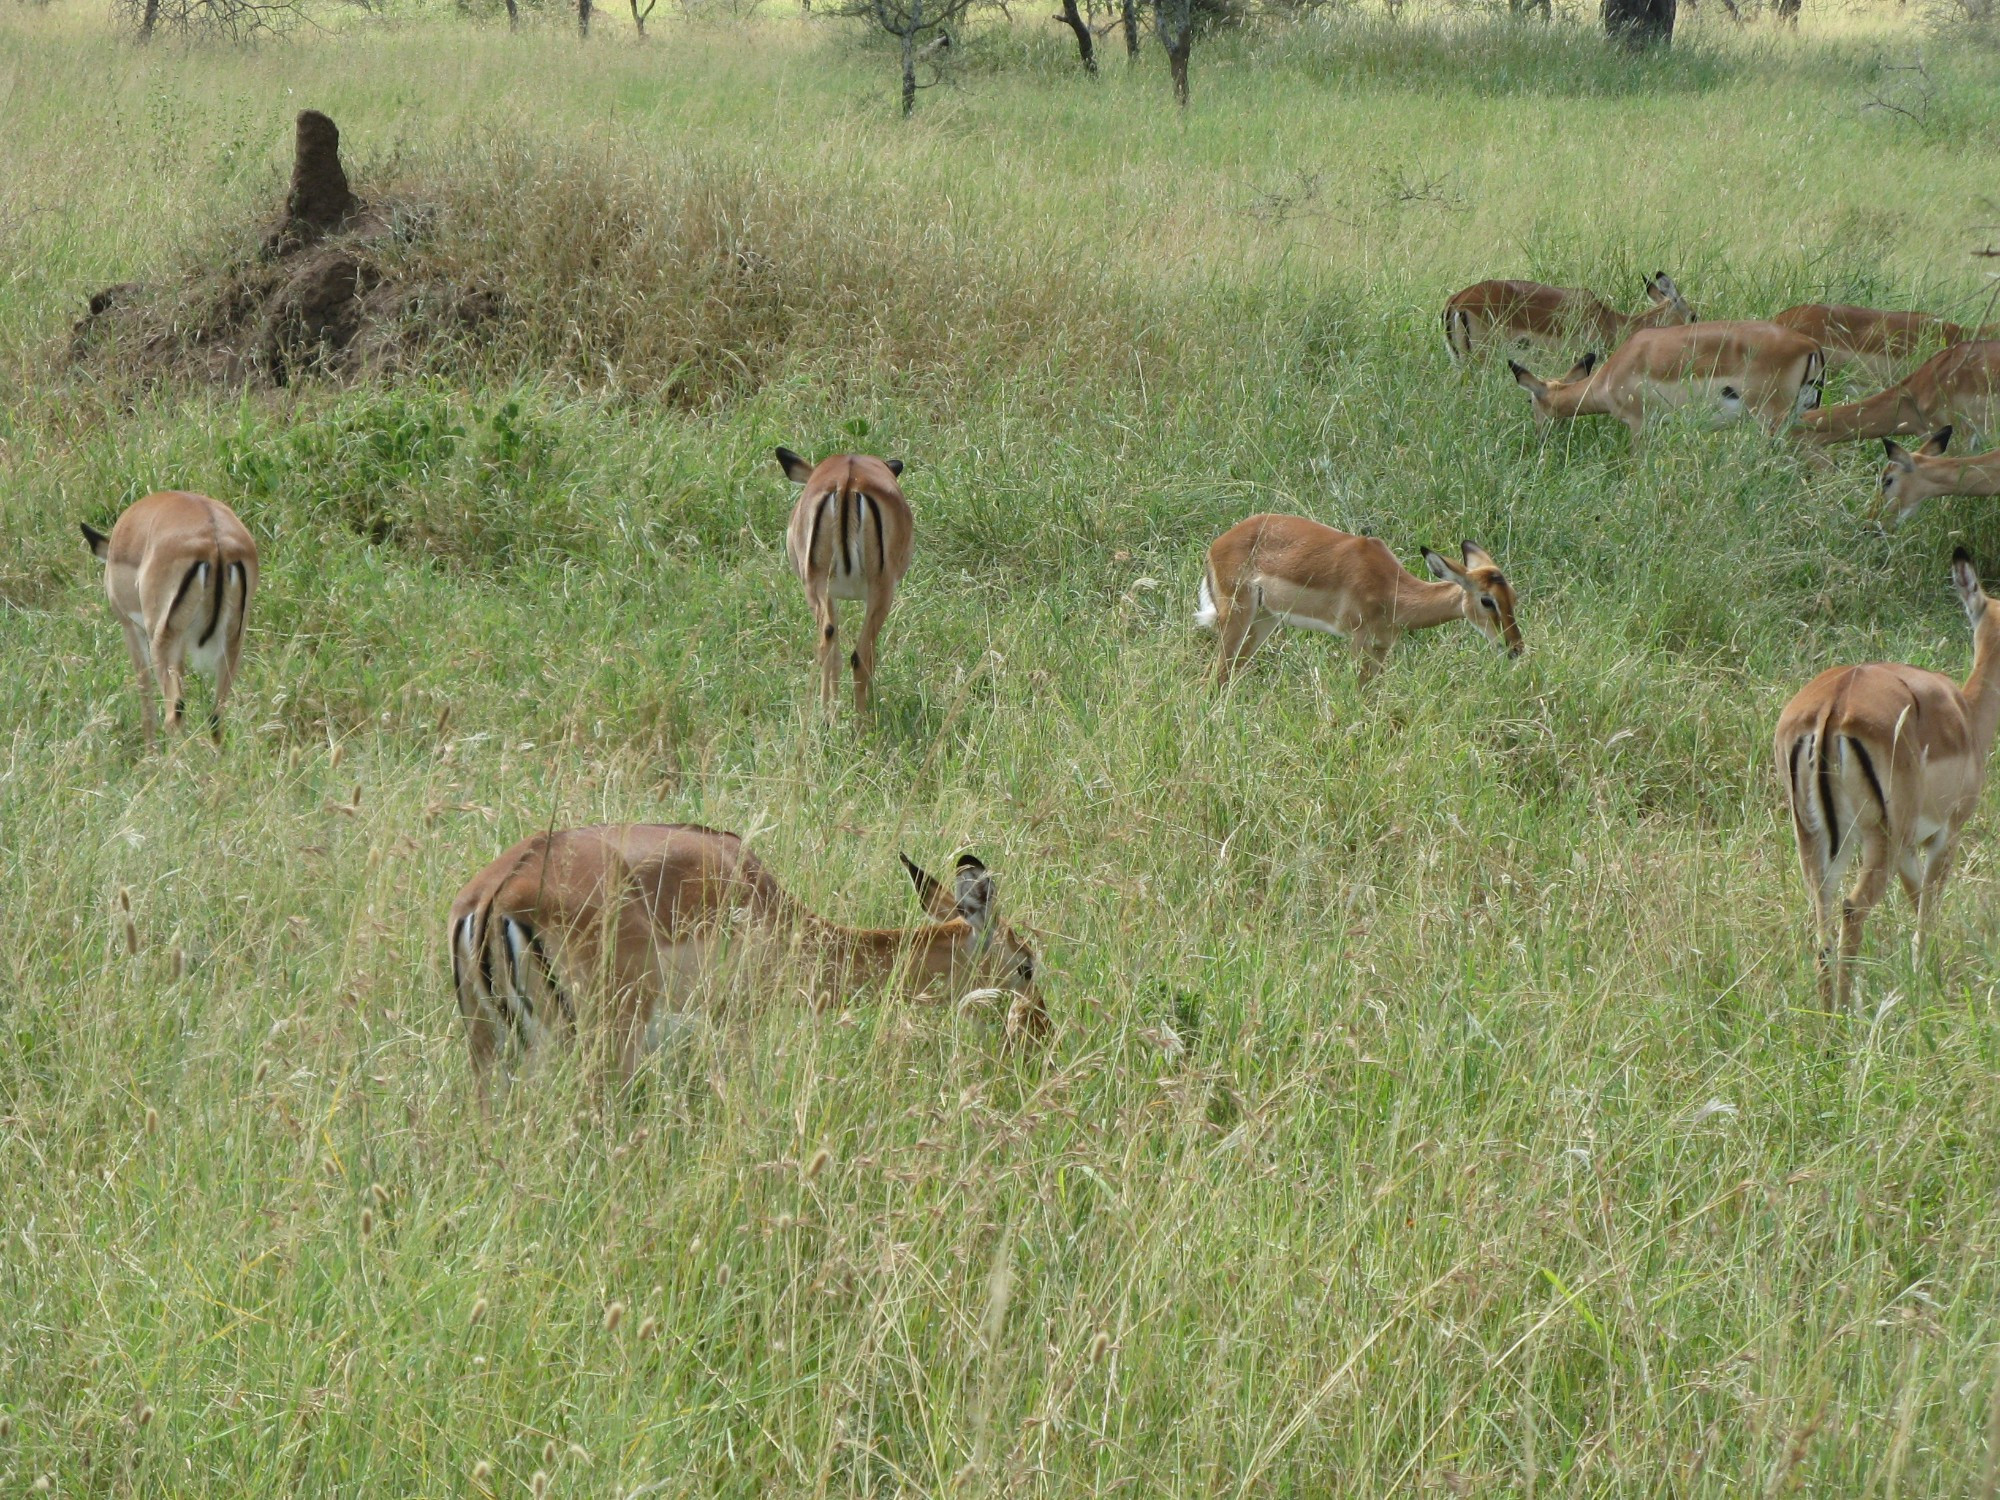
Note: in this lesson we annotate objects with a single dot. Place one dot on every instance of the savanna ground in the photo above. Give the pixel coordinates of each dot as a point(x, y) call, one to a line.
point(1510, 1152)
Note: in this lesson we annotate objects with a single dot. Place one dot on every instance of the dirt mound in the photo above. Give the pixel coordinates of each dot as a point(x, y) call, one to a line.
point(328, 290)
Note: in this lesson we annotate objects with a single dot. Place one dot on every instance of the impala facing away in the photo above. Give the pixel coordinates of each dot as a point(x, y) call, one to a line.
point(624, 925)
point(849, 539)
point(1909, 479)
point(1527, 312)
point(1286, 570)
point(1732, 368)
point(1958, 388)
point(1882, 343)
point(1883, 765)
point(179, 569)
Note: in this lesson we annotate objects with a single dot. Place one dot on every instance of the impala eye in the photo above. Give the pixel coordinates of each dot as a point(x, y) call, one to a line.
point(1489, 604)
point(1026, 970)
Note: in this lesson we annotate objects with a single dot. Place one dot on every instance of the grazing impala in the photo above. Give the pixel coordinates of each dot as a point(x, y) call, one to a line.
point(1527, 312)
point(1286, 570)
point(1882, 343)
point(1909, 479)
point(849, 539)
point(179, 570)
point(1732, 368)
point(636, 922)
point(1958, 388)
point(1883, 765)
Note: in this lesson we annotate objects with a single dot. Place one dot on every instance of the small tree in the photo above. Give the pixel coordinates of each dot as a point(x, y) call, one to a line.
point(224, 20)
point(1129, 18)
point(1639, 24)
point(1086, 48)
point(639, 17)
point(922, 26)
point(583, 19)
point(1174, 20)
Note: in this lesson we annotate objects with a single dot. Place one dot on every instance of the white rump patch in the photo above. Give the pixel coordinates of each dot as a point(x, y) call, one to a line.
point(1204, 606)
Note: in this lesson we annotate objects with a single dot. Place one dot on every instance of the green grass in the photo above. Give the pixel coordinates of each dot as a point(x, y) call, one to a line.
point(1510, 1154)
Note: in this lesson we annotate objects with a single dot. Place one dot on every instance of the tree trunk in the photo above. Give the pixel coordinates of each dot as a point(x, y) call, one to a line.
point(1175, 22)
point(513, 15)
point(148, 19)
point(910, 58)
point(639, 16)
point(583, 18)
point(1639, 24)
point(1131, 13)
point(1085, 46)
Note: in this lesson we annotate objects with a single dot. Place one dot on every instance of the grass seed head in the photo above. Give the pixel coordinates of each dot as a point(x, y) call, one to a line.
point(380, 1193)
point(152, 1120)
point(259, 1073)
point(142, 1413)
point(649, 1327)
point(6, 1426)
point(481, 1472)
point(177, 962)
point(549, 1453)
point(367, 1222)
point(818, 1163)
point(1099, 1347)
point(722, 1274)
point(478, 1310)
point(614, 1314)
point(538, 1484)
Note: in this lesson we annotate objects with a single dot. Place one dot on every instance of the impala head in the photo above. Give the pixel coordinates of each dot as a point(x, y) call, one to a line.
point(1669, 306)
point(1489, 598)
point(1555, 400)
point(799, 470)
point(989, 953)
point(1905, 485)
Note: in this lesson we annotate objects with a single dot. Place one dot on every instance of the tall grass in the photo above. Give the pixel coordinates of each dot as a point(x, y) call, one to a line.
point(1498, 1148)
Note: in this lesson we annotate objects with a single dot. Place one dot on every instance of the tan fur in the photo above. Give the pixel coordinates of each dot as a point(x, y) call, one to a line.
point(634, 921)
point(1909, 478)
point(1891, 759)
point(1959, 388)
point(849, 538)
point(1552, 317)
point(1272, 570)
point(179, 570)
point(1881, 343)
point(1731, 368)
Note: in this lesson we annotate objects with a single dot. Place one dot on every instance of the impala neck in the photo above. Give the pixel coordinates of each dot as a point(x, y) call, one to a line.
point(1421, 604)
point(1961, 476)
point(1884, 414)
point(871, 955)
point(1982, 688)
point(1574, 398)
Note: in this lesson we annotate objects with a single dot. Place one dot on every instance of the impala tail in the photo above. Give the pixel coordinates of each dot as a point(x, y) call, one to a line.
point(1204, 601)
point(507, 988)
point(1458, 334)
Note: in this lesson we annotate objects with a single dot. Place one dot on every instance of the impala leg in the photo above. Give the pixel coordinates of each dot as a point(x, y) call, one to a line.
point(142, 672)
point(826, 622)
point(863, 659)
point(225, 678)
point(1864, 898)
point(1237, 636)
point(167, 667)
point(1823, 884)
point(1370, 657)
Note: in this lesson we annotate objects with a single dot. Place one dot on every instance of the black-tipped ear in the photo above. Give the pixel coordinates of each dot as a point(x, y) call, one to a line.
point(973, 893)
point(1937, 443)
point(796, 469)
point(928, 889)
point(99, 542)
point(1965, 578)
point(1475, 555)
point(895, 466)
point(1894, 451)
point(1523, 376)
point(1581, 370)
point(1443, 567)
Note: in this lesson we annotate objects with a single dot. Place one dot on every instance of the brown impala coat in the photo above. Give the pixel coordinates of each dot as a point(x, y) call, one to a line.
point(1882, 765)
point(1958, 388)
point(1271, 570)
point(1729, 368)
point(641, 921)
point(1882, 343)
point(179, 569)
point(1909, 479)
point(849, 538)
point(1553, 317)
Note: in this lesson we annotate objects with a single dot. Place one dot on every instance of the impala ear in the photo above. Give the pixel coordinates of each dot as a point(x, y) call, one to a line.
point(973, 896)
point(895, 466)
point(1444, 568)
point(796, 469)
point(1582, 368)
point(930, 893)
point(1475, 555)
point(1896, 453)
point(1525, 378)
point(100, 544)
point(1939, 440)
point(1965, 578)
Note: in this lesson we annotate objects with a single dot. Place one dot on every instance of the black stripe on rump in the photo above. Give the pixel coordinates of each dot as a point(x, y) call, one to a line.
point(812, 537)
point(881, 548)
point(215, 604)
point(1826, 798)
point(1868, 770)
point(1798, 786)
point(549, 974)
point(187, 581)
point(844, 560)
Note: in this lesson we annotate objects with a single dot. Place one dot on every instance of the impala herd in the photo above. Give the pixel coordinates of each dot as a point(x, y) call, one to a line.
point(643, 925)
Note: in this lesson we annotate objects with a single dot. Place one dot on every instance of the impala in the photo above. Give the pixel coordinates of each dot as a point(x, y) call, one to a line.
point(1959, 387)
point(1527, 312)
point(1732, 368)
point(1883, 765)
point(849, 538)
point(1911, 478)
point(1286, 570)
point(179, 569)
point(1880, 342)
point(629, 924)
